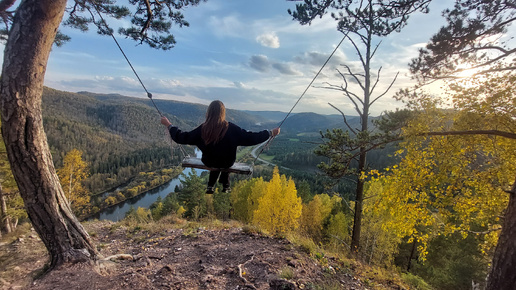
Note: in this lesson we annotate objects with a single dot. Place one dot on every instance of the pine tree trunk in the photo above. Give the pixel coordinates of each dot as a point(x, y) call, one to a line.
point(503, 275)
point(359, 198)
point(25, 59)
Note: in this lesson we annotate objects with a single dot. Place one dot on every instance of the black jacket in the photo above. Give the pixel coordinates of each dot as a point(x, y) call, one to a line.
point(222, 154)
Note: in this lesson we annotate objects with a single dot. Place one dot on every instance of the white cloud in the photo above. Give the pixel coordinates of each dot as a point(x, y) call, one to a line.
point(268, 40)
point(229, 26)
point(239, 85)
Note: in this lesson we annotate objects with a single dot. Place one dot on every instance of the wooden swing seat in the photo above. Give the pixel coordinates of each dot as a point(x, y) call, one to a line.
point(239, 168)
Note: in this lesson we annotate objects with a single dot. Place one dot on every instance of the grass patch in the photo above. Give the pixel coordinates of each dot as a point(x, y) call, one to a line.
point(326, 285)
point(267, 157)
point(306, 244)
point(250, 229)
point(286, 272)
point(415, 282)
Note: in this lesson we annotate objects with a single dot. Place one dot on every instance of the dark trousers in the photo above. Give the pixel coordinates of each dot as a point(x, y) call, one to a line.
point(223, 178)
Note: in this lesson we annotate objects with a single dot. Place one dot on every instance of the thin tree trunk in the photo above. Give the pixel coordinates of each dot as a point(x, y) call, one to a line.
point(412, 253)
point(5, 221)
point(25, 59)
point(503, 275)
point(359, 198)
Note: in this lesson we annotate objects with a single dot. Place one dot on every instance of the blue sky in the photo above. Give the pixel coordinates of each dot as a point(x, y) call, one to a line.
point(249, 54)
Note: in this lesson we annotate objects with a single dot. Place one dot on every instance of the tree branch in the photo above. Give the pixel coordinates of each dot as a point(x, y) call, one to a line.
point(345, 120)
point(387, 90)
point(149, 17)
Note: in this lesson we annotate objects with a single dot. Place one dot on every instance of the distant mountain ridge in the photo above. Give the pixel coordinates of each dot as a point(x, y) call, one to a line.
point(132, 117)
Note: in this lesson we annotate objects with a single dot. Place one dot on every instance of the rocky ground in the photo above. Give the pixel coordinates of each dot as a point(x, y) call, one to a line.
point(187, 257)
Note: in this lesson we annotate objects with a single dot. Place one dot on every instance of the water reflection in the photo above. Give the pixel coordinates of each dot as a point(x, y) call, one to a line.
point(117, 212)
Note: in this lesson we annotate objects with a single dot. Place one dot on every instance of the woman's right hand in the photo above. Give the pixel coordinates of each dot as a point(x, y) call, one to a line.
point(165, 121)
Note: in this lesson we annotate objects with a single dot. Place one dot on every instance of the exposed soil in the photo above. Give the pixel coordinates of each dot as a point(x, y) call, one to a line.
point(182, 258)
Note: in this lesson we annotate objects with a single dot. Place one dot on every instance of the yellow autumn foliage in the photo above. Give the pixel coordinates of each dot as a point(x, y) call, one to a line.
point(447, 184)
point(279, 208)
point(315, 213)
point(71, 175)
point(244, 198)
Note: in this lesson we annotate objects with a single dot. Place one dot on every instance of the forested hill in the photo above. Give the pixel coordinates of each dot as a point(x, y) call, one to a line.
point(120, 135)
point(189, 113)
point(85, 120)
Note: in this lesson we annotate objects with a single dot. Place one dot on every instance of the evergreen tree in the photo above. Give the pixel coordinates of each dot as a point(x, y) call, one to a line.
point(192, 195)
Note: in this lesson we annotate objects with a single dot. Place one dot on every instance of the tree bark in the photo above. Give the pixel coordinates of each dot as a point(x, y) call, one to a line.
point(503, 275)
point(25, 59)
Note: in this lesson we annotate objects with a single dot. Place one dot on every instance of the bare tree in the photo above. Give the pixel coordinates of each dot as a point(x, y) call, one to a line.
point(361, 22)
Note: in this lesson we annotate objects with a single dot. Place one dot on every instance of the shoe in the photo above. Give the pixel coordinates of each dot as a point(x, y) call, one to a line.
point(209, 190)
point(226, 190)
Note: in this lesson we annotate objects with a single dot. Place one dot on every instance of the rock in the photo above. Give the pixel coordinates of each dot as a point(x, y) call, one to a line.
point(119, 257)
point(293, 263)
point(166, 270)
point(105, 267)
point(4, 283)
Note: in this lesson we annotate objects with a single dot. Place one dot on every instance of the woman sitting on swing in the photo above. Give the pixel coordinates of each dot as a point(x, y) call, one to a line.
point(218, 140)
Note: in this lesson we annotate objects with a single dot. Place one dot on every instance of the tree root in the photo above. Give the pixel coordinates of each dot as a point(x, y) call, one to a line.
point(241, 273)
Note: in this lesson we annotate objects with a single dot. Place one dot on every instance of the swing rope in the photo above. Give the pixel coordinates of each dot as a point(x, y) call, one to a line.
point(299, 99)
point(149, 95)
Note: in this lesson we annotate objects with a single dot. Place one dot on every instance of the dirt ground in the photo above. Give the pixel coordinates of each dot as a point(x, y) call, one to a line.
point(180, 258)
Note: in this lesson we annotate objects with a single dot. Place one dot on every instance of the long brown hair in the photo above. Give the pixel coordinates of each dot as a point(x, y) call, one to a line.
point(215, 126)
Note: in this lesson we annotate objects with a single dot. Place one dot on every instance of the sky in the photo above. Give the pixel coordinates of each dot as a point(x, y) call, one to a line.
point(249, 54)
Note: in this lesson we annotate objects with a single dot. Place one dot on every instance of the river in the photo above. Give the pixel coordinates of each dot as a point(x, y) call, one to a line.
point(117, 212)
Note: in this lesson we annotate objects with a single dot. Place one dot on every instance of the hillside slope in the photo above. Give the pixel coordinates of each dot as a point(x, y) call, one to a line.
point(189, 256)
